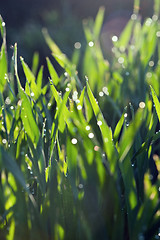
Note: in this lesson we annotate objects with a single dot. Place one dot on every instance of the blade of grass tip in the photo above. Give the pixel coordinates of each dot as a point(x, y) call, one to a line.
point(31, 79)
point(136, 6)
point(105, 131)
point(40, 77)
point(3, 56)
point(52, 71)
point(99, 22)
point(156, 102)
point(16, 68)
point(118, 128)
point(35, 63)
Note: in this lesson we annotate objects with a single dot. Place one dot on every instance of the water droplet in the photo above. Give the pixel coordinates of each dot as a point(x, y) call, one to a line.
point(11, 107)
point(77, 45)
point(79, 107)
point(127, 124)
point(142, 105)
point(77, 101)
point(149, 75)
point(4, 141)
point(96, 148)
point(127, 73)
point(80, 186)
point(101, 94)
point(74, 141)
point(158, 34)
point(106, 140)
point(154, 17)
point(148, 22)
point(132, 164)
point(49, 104)
point(105, 90)
point(99, 123)
point(91, 135)
point(121, 60)
point(133, 16)
point(66, 74)
point(91, 44)
point(3, 24)
point(87, 128)
point(32, 94)
point(151, 63)
point(125, 115)
point(114, 38)
point(7, 101)
point(67, 89)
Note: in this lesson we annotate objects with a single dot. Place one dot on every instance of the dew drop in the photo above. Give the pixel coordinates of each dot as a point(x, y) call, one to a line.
point(11, 107)
point(7, 101)
point(99, 123)
point(114, 38)
point(80, 186)
point(91, 135)
point(96, 148)
point(79, 107)
point(125, 115)
point(158, 34)
point(77, 45)
point(3, 24)
point(142, 105)
point(121, 60)
point(4, 141)
point(151, 63)
point(87, 128)
point(32, 94)
point(133, 16)
point(91, 44)
point(67, 89)
point(74, 141)
point(101, 94)
point(66, 74)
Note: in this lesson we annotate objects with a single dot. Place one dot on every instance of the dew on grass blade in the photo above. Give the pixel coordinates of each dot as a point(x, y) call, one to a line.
point(79, 107)
point(3, 24)
point(105, 90)
point(121, 60)
point(125, 115)
point(87, 128)
point(11, 107)
point(32, 94)
point(114, 38)
point(158, 34)
point(151, 63)
point(80, 186)
point(91, 135)
point(101, 94)
point(99, 123)
point(67, 89)
point(148, 22)
point(91, 44)
point(4, 141)
point(142, 105)
point(74, 141)
point(133, 16)
point(7, 101)
point(77, 45)
point(96, 148)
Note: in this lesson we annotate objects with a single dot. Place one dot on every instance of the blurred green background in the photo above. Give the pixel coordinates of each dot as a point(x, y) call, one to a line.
point(63, 19)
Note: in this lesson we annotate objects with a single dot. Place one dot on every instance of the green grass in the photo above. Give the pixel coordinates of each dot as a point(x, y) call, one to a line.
point(76, 152)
